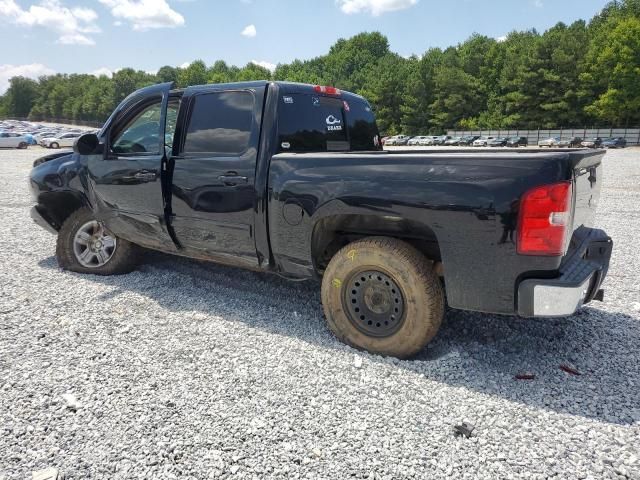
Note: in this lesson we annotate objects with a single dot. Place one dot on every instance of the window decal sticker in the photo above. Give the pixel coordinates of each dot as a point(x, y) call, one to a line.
point(334, 124)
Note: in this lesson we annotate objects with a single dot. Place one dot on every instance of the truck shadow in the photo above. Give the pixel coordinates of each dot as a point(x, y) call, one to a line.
point(476, 351)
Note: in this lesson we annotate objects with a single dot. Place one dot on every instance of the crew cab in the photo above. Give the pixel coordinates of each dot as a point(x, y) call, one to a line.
point(292, 179)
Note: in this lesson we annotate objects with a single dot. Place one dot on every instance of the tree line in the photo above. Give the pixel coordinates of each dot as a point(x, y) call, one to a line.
point(586, 73)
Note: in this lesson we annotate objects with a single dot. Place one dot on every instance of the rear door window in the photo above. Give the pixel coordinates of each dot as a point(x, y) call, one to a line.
point(219, 123)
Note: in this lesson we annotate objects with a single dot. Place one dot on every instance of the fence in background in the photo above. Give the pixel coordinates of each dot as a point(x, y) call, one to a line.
point(631, 135)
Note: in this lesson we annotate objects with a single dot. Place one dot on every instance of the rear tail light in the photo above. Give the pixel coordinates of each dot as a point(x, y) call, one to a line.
point(544, 221)
point(327, 90)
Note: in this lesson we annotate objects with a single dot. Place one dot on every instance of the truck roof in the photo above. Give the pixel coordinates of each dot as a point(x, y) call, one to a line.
point(285, 87)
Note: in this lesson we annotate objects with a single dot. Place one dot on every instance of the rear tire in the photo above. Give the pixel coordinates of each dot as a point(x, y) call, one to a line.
point(22, 145)
point(381, 295)
point(76, 246)
point(54, 145)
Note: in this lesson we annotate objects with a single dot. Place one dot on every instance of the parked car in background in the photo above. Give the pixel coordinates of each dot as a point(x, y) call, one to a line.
point(515, 142)
point(592, 142)
point(441, 139)
point(452, 142)
point(46, 134)
point(498, 142)
point(64, 140)
point(482, 141)
point(549, 142)
point(429, 140)
point(13, 140)
point(572, 142)
point(415, 141)
point(468, 140)
point(31, 140)
point(617, 142)
point(398, 140)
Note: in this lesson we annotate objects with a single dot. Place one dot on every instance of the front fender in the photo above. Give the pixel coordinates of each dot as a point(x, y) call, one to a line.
point(56, 187)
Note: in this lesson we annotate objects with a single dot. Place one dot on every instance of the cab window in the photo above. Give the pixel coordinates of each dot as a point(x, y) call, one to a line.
point(219, 123)
point(315, 123)
point(311, 123)
point(140, 133)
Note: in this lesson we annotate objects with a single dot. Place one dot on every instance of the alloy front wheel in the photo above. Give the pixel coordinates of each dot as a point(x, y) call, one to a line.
point(86, 246)
point(93, 246)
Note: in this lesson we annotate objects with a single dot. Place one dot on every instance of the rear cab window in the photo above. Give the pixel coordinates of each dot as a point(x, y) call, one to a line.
point(309, 122)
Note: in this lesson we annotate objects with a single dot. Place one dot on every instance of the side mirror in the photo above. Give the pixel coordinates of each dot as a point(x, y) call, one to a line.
point(87, 144)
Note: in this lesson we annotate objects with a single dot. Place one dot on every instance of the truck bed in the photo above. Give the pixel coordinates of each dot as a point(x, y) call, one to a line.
point(463, 201)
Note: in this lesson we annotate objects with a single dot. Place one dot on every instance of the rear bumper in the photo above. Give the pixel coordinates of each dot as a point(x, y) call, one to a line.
point(581, 276)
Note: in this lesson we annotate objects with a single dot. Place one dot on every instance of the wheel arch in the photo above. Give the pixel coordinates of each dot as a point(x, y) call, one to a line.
point(331, 233)
point(56, 207)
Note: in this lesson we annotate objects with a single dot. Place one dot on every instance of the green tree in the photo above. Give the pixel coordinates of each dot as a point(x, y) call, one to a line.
point(167, 74)
point(20, 97)
point(194, 74)
point(613, 73)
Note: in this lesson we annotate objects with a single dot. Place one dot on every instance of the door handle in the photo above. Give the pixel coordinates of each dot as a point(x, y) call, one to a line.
point(232, 180)
point(145, 176)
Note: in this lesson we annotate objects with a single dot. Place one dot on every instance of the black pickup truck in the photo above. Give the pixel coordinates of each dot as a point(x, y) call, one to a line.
point(292, 179)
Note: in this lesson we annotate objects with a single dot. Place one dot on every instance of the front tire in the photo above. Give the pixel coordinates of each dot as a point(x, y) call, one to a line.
point(54, 145)
point(22, 145)
point(381, 295)
point(85, 246)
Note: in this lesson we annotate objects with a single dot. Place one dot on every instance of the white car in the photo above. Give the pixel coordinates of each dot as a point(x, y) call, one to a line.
point(417, 140)
point(64, 140)
point(46, 134)
point(482, 141)
point(397, 140)
point(549, 142)
point(13, 140)
point(429, 140)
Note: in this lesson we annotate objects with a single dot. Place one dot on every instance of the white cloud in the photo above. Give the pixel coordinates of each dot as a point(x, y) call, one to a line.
point(75, 39)
point(375, 7)
point(249, 31)
point(33, 70)
point(103, 71)
point(185, 65)
point(145, 14)
point(501, 38)
point(538, 3)
point(71, 24)
point(268, 65)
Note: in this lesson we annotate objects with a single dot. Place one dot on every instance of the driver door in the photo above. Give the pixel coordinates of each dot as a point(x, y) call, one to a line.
point(127, 180)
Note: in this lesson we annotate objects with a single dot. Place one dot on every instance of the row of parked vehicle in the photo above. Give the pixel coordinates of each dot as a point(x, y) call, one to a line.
point(21, 134)
point(450, 141)
point(513, 142)
point(577, 142)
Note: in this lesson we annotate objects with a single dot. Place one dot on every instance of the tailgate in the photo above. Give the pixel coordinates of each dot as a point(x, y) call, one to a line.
point(588, 176)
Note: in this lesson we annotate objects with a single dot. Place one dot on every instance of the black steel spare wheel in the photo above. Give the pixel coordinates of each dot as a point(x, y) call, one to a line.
point(374, 303)
point(382, 295)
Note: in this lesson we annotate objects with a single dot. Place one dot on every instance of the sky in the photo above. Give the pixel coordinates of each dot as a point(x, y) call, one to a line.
point(101, 36)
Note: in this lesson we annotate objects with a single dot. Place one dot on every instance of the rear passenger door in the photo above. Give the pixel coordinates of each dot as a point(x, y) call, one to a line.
point(213, 193)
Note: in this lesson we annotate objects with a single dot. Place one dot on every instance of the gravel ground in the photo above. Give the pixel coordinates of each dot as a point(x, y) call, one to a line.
point(191, 370)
